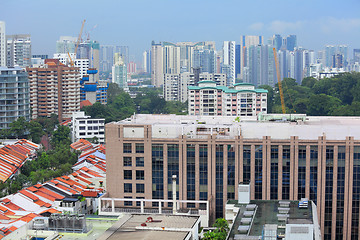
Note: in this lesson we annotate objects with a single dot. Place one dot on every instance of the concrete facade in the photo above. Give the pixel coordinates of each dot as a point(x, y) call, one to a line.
point(313, 157)
point(2, 44)
point(87, 128)
point(210, 99)
point(18, 50)
point(54, 88)
point(14, 95)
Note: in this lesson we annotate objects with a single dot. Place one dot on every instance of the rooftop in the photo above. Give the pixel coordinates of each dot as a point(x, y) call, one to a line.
point(138, 226)
point(305, 127)
point(268, 212)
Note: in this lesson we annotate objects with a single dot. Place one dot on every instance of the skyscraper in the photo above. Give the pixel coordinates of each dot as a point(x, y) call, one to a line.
point(343, 50)
point(330, 51)
point(357, 55)
point(245, 42)
point(18, 50)
point(147, 61)
point(157, 73)
point(66, 44)
point(260, 67)
point(119, 72)
point(277, 41)
point(107, 56)
point(2, 44)
point(291, 42)
point(237, 60)
point(229, 61)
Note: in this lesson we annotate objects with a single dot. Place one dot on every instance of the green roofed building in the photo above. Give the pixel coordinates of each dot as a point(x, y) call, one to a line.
point(243, 99)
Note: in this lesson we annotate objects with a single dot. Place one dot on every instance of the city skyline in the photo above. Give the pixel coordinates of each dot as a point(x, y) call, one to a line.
point(316, 24)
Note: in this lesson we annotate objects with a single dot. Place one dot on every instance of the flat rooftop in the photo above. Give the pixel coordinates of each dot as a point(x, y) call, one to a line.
point(273, 125)
point(267, 213)
point(163, 227)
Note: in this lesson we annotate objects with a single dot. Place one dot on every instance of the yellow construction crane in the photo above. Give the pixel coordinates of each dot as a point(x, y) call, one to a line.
point(279, 82)
point(77, 43)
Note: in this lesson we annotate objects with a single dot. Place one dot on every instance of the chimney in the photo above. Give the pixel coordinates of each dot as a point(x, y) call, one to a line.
point(174, 193)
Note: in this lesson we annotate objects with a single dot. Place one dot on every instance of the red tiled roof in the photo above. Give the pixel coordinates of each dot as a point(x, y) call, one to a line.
point(85, 103)
point(50, 210)
point(89, 193)
point(29, 217)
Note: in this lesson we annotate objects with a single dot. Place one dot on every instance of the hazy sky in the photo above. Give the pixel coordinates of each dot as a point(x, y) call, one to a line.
point(136, 23)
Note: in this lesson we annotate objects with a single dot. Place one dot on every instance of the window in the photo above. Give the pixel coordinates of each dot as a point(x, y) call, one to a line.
point(127, 161)
point(128, 203)
point(140, 175)
point(127, 147)
point(139, 161)
point(140, 188)
point(139, 148)
point(82, 128)
point(127, 174)
point(138, 203)
point(127, 188)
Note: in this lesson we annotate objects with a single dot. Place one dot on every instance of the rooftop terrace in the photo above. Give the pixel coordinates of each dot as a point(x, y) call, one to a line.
point(277, 126)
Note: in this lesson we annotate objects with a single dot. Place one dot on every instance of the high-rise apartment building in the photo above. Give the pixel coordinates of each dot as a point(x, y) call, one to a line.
point(119, 71)
point(283, 157)
point(245, 42)
point(260, 65)
point(241, 100)
point(90, 50)
point(170, 58)
point(176, 85)
point(107, 56)
point(343, 51)
point(229, 61)
point(157, 72)
point(356, 55)
point(66, 44)
point(147, 61)
point(54, 89)
point(290, 42)
point(237, 60)
point(14, 95)
point(204, 59)
point(330, 51)
point(18, 50)
point(82, 64)
point(131, 67)
point(277, 41)
point(2, 44)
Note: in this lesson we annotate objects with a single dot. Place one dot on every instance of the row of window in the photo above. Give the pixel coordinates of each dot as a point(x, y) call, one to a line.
point(140, 175)
point(127, 148)
point(127, 161)
point(140, 188)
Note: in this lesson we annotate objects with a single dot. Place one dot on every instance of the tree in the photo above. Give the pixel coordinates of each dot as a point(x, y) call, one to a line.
point(36, 131)
point(61, 136)
point(308, 82)
point(221, 225)
point(221, 231)
point(18, 128)
point(322, 105)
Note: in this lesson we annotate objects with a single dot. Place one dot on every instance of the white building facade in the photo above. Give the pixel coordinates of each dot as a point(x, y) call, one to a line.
point(84, 127)
point(242, 100)
point(2, 44)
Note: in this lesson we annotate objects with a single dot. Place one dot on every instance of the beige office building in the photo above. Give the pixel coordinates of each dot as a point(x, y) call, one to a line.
point(282, 156)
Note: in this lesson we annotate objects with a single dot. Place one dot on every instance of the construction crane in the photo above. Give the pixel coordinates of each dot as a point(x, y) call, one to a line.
point(279, 82)
point(77, 43)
